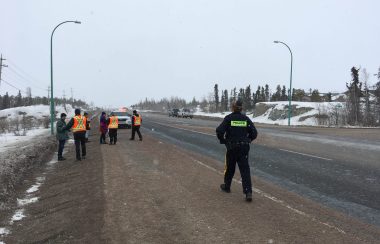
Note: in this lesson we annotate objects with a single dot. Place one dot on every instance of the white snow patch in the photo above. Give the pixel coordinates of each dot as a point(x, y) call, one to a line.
point(26, 201)
point(4, 231)
point(18, 215)
point(10, 140)
point(1, 242)
point(34, 188)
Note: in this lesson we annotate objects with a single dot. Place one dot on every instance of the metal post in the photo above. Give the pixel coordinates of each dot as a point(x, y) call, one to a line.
point(52, 110)
point(290, 89)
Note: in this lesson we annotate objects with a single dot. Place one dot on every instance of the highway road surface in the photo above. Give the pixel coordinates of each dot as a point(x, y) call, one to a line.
point(311, 185)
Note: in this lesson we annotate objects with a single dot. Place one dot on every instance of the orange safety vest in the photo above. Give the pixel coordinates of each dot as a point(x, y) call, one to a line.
point(114, 122)
point(79, 123)
point(137, 120)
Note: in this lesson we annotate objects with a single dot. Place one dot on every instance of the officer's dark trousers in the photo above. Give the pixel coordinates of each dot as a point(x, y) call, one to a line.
point(238, 154)
point(61, 145)
point(80, 141)
point(102, 138)
point(113, 135)
point(134, 130)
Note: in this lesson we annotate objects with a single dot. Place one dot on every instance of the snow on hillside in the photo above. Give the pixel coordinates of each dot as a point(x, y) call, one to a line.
point(37, 111)
point(303, 113)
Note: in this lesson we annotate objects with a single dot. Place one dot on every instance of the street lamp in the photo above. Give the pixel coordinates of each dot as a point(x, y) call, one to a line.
point(290, 89)
point(52, 112)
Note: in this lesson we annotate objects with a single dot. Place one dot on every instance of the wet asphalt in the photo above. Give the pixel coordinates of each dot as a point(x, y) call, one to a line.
point(353, 189)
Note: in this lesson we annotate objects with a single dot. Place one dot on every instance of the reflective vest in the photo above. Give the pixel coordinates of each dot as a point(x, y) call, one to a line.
point(114, 122)
point(79, 123)
point(136, 120)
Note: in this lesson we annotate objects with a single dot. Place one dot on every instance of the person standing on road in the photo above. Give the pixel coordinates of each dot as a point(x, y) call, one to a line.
point(62, 136)
point(237, 131)
point(103, 128)
point(136, 123)
point(78, 125)
point(112, 123)
point(88, 127)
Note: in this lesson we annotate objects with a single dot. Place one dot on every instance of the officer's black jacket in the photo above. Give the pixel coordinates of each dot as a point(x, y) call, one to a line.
point(236, 127)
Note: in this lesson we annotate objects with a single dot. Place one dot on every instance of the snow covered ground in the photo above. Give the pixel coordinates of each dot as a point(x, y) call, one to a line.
point(37, 111)
point(308, 117)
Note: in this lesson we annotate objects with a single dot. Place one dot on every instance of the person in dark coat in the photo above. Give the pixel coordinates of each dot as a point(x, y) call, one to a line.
point(78, 125)
point(136, 123)
point(237, 131)
point(62, 136)
point(103, 128)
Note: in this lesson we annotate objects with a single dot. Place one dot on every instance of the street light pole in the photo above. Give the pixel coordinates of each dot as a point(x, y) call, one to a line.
point(290, 89)
point(52, 112)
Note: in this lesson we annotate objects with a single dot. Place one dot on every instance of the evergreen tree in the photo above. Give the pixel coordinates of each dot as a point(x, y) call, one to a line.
point(284, 97)
point(6, 101)
point(354, 93)
point(258, 95)
point(328, 97)
point(262, 94)
point(216, 97)
point(225, 105)
point(18, 102)
point(315, 97)
point(247, 98)
point(267, 97)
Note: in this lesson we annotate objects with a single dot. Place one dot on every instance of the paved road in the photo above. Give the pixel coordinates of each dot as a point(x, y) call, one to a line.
point(340, 171)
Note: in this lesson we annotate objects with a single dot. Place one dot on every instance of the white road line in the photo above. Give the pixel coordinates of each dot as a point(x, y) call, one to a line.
point(279, 201)
point(207, 134)
point(305, 154)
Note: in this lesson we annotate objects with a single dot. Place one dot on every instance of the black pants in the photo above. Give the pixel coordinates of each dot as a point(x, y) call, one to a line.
point(238, 154)
point(61, 146)
point(134, 130)
point(80, 141)
point(102, 138)
point(113, 135)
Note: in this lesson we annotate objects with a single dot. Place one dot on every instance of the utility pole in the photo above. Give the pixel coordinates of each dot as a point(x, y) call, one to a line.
point(2, 65)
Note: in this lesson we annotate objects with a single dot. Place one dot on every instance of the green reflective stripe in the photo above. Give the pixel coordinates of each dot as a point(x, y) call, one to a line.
point(239, 123)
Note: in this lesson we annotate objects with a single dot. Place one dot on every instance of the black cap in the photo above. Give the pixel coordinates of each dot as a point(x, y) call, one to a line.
point(77, 111)
point(63, 115)
point(85, 113)
point(134, 111)
point(238, 103)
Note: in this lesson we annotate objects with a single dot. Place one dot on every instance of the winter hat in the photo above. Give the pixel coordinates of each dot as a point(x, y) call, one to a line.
point(103, 113)
point(85, 113)
point(134, 111)
point(77, 111)
point(63, 115)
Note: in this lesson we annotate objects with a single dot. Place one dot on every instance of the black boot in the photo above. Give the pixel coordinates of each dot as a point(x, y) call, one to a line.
point(224, 188)
point(248, 197)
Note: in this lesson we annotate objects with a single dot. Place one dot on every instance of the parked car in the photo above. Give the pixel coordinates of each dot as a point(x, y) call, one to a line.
point(174, 112)
point(124, 118)
point(186, 113)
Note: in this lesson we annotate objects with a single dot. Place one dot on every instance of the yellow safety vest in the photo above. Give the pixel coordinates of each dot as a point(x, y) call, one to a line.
point(114, 122)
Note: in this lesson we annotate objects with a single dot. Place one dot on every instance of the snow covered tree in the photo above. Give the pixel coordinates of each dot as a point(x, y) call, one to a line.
point(315, 97)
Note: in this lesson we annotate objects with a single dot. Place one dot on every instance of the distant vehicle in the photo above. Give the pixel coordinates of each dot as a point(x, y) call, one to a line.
point(174, 112)
point(124, 118)
point(186, 113)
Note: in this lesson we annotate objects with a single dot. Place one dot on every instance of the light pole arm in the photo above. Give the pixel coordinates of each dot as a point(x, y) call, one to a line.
point(52, 112)
point(291, 74)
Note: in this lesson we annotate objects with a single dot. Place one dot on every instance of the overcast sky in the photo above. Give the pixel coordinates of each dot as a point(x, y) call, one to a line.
point(125, 51)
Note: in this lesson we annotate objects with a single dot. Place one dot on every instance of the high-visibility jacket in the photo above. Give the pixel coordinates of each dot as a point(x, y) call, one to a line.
point(137, 120)
point(79, 123)
point(114, 122)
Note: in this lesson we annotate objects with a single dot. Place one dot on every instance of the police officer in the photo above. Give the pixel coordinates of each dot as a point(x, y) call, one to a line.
point(237, 131)
point(78, 125)
point(136, 123)
point(113, 124)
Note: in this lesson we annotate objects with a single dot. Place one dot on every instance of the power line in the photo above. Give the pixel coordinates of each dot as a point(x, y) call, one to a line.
point(14, 80)
point(22, 71)
point(13, 86)
point(23, 78)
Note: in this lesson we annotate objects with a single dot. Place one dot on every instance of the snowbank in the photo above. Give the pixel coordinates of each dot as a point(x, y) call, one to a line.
point(36, 111)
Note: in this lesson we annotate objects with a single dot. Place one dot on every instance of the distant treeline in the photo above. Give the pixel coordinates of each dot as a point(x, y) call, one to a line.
point(362, 100)
point(7, 101)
